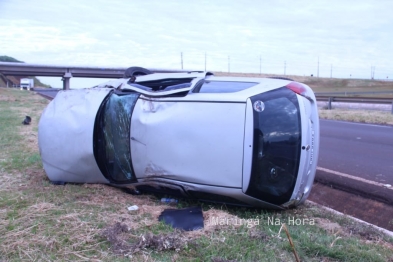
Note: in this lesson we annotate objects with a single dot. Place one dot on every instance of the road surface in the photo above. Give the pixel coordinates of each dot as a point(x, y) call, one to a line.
point(357, 149)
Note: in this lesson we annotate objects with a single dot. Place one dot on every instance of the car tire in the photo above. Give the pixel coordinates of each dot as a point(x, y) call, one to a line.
point(280, 77)
point(136, 71)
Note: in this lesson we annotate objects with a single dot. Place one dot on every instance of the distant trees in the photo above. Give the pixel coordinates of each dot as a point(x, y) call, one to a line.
point(5, 58)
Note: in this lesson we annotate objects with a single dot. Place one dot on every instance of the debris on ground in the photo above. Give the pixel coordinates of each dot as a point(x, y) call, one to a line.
point(121, 244)
point(187, 219)
point(27, 120)
point(132, 208)
point(169, 200)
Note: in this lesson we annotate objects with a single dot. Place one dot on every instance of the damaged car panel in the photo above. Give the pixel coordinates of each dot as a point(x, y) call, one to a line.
point(178, 141)
point(242, 141)
point(66, 136)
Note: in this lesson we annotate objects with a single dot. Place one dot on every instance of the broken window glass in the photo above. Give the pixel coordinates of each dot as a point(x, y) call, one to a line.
point(112, 138)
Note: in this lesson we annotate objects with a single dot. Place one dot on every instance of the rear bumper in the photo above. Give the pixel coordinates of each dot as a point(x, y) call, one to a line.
point(310, 149)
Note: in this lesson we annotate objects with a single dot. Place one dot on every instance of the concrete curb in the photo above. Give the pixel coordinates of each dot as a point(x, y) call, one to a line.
point(383, 230)
point(357, 187)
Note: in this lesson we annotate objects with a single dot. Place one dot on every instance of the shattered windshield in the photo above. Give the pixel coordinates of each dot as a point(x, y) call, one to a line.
point(112, 137)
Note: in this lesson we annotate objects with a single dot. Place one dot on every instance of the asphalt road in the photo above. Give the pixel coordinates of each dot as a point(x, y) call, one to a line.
point(48, 93)
point(361, 150)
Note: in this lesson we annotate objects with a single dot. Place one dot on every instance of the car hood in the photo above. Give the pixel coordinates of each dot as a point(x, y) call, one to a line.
point(65, 136)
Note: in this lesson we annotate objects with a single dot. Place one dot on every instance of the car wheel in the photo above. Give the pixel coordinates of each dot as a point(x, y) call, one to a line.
point(136, 71)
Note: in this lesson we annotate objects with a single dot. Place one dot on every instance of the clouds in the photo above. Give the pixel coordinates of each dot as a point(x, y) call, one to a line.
point(352, 35)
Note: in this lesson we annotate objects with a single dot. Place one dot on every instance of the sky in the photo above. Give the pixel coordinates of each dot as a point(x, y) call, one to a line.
point(338, 38)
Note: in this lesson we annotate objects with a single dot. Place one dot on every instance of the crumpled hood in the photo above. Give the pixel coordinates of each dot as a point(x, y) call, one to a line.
point(65, 136)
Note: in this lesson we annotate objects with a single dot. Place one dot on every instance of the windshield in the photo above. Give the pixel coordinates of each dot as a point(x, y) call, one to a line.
point(112, 137)
point(223, 86)
point(277, 145)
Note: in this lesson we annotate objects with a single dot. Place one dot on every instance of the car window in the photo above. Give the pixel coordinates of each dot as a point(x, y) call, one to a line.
point(112, 137)
point(277, 145)
point(163, 84)
point(223, 86)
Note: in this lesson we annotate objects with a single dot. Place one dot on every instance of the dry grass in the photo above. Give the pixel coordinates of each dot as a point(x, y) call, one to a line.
point(360, 116)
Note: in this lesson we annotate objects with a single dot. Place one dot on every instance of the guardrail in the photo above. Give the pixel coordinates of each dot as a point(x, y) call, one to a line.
point(353, 93)
point(67, 72)
point(364, 100)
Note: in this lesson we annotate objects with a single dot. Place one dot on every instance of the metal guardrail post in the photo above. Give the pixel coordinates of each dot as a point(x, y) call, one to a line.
point(392, 107)
point(330, 103)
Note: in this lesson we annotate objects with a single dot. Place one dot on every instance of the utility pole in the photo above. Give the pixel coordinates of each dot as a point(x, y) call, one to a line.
point(331, 70)
point(229, 63)
point(285, 67)
point(205, 61)
point(260, 65)
point(181, 55)
point(372, 72)
point(318, 68)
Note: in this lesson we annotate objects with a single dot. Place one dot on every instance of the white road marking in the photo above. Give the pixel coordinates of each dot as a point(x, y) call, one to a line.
point(356, 123)
point(354, 178)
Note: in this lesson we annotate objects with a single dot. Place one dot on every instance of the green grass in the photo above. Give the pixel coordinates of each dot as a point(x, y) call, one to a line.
point(40, 221)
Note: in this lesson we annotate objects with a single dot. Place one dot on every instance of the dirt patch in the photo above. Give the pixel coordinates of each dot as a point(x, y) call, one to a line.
point(35, 177)
point(123, 240)
point(328, 226)
point(117, 236)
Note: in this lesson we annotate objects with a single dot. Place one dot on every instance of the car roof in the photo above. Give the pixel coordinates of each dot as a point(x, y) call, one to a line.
point(209, 76)
point(161, 76)
point(261, 85)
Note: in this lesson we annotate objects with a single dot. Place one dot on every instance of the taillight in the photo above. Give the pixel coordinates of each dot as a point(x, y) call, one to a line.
point(298, 89)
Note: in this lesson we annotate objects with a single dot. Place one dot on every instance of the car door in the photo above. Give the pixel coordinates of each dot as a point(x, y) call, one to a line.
point(190, 141)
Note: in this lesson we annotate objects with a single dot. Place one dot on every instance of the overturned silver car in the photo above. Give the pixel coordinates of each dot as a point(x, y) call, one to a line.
point(242, 141)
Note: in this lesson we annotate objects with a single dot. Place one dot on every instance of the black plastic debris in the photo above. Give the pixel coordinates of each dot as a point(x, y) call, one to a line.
point(188, 219)
point(27, 120)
